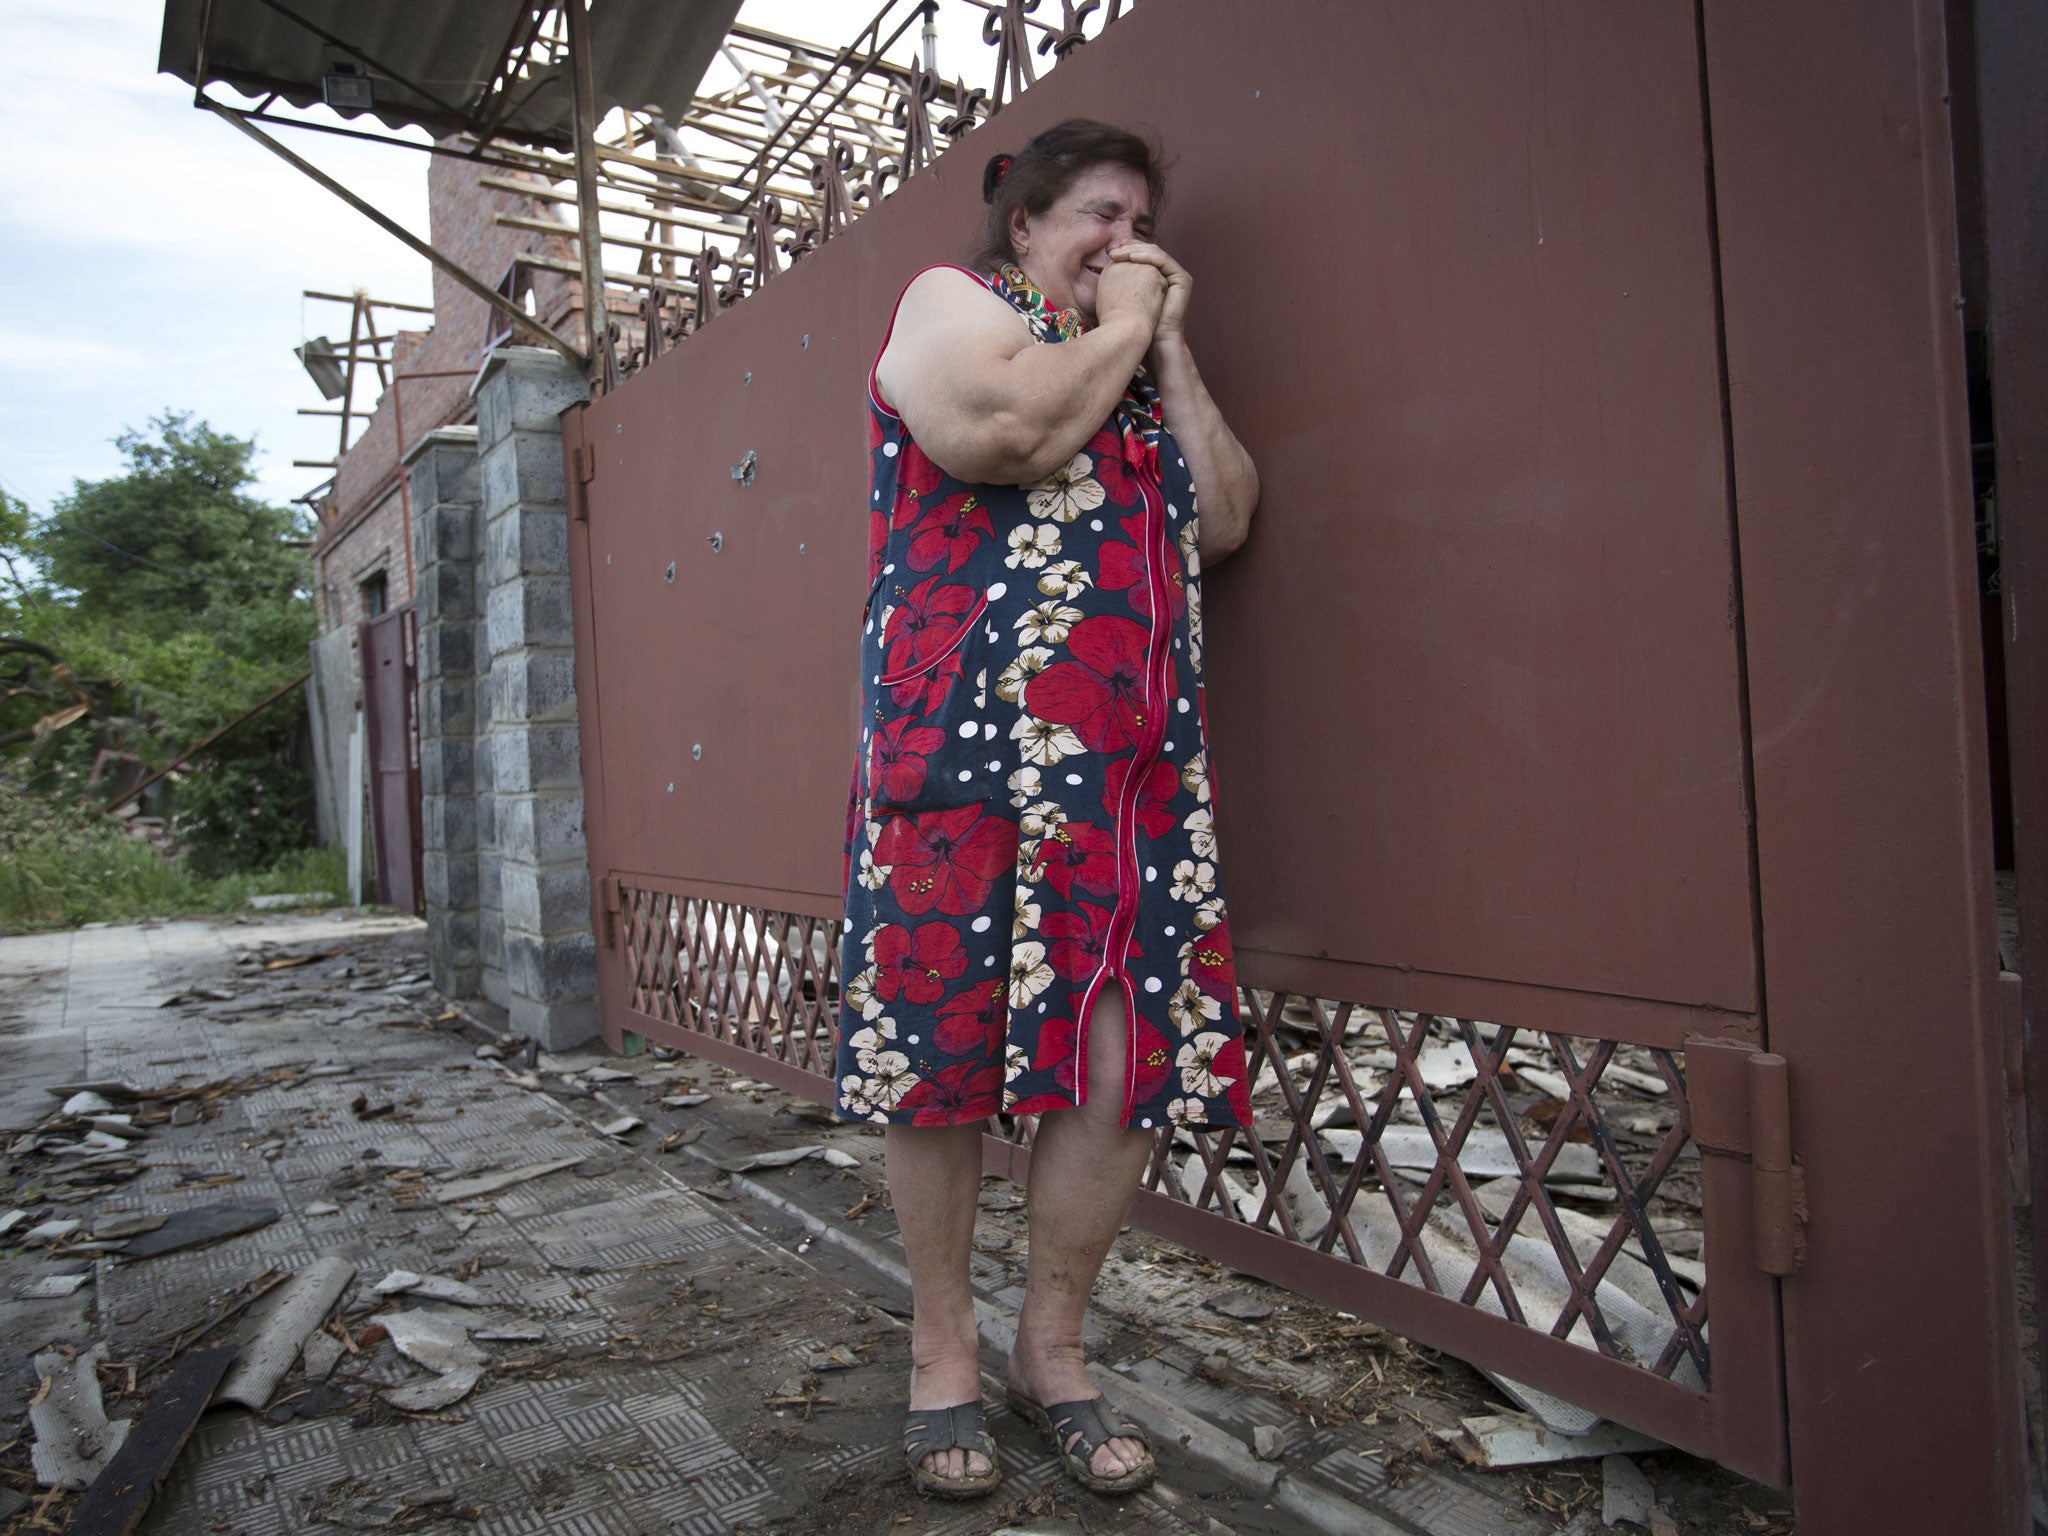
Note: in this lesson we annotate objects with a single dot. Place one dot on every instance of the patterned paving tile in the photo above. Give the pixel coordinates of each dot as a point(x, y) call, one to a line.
point(585, 1443)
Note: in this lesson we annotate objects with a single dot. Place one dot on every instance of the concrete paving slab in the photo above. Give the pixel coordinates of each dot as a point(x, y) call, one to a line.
point(664, 1318)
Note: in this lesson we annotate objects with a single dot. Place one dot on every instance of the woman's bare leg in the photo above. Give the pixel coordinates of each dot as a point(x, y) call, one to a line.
point(934, 1177)
point(1085, 1170)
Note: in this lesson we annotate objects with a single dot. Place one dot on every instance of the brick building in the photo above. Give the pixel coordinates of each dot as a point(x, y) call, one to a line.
point(359, 552)
point(361, 566)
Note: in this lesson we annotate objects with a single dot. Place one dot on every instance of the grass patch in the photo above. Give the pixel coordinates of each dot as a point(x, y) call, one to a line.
point(55, 876)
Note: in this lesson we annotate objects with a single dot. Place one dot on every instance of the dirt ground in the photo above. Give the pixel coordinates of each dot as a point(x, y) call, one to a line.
point(1335, 1383)
point(679, 1348)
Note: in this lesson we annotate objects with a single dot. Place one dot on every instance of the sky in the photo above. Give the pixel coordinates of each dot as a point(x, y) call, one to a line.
point(154, 258)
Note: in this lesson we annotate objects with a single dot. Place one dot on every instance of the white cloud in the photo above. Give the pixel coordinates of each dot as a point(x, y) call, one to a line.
point(155, 257)
point(53, 357)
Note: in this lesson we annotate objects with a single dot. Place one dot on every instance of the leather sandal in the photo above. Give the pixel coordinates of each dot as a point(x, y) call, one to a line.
point(962, 1427)
point(1078, 1430)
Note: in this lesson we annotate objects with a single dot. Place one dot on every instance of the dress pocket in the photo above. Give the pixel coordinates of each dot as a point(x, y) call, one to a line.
point(932, 745)
point(931, 663)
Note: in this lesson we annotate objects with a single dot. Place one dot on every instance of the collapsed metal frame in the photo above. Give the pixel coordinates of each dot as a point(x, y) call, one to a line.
point(761, 172)
point(367, 348)
point(496, 96)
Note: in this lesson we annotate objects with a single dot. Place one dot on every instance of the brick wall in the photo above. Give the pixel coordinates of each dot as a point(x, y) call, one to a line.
point(361, 523)
point(376, 543)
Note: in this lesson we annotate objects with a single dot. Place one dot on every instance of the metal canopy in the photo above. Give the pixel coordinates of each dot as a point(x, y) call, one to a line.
point(441, 64)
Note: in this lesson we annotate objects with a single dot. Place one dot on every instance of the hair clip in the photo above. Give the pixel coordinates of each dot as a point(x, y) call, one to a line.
point(992, 176)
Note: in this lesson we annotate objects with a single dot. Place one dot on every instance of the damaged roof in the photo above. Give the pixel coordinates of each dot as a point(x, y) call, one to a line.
point(435, 64)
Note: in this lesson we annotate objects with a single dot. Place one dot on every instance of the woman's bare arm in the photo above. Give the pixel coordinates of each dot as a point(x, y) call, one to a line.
point(983, 400)
point(1226, 480)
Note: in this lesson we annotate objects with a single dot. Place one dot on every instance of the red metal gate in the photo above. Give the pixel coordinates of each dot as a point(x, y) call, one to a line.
point(391, 728)
point(1590, 704)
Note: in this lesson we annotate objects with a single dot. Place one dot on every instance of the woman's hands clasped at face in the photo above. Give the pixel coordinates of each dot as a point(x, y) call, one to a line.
point(1129, 289)
point(1176, 286)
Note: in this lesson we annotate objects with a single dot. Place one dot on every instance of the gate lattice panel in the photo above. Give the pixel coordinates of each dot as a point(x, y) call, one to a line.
point(1499, 1168)
point(766, 983)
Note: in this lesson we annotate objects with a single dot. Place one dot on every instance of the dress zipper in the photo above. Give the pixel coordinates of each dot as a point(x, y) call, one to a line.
point(1116, 952)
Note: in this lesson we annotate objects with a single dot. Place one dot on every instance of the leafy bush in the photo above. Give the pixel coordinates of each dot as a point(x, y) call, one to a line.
point(245, 810)
point(65, 865)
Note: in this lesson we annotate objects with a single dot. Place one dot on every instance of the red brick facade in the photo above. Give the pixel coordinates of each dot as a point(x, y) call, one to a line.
point(362, 530)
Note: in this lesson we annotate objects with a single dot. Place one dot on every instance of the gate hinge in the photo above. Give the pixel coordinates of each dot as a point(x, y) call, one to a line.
point(608, 928)
point(582, 469)
point(1742, 1107)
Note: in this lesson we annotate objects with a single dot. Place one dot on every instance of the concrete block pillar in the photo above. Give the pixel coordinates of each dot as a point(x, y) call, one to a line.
point(442, 468)
point(535, 779)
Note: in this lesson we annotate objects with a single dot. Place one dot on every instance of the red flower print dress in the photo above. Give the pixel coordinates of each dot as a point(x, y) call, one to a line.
point(1031, 816)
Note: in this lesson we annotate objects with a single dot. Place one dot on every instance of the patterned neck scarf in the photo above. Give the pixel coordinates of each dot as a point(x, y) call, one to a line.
point(1036, 308)
point(1138, 414)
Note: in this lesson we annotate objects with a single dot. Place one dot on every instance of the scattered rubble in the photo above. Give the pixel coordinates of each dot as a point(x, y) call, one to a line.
point(320, 1353)
point(1523, 1440)
point(53, 1287)
point(403, 1282)
point(74, 1439)
point(1625, 1495)
point(200, 1224)
point(782, 1157)
point(126, 1485)
point(477, 1188)
point(440, 1342)
point(1345, 1380)
point(280, 1329)
point(1242, 1305)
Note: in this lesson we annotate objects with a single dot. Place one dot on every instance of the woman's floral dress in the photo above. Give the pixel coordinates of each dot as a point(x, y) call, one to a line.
point(1032, 815)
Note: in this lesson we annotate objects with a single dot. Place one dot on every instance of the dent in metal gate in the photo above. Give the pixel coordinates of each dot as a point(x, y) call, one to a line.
point(390, 721)
point(1482, 758)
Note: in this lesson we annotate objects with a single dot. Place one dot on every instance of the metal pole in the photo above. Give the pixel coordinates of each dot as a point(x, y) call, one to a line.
point(391, 226)
point(590, 238)
point(348, 387)
point(404, 490)
point(206, 741)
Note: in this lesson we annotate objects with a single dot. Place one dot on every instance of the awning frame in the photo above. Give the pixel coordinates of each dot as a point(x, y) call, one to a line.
point(530, 16)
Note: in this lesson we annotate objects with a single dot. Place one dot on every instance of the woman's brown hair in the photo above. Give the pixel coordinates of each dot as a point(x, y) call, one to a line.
point(1036, 176)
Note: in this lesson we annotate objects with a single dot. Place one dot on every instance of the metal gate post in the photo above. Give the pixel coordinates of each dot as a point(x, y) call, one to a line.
point(1836, 234)
point(2012, 99)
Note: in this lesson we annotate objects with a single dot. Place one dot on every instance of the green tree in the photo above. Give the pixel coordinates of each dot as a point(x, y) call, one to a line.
point(17, 564)
point(177, 537)
point(176, 599)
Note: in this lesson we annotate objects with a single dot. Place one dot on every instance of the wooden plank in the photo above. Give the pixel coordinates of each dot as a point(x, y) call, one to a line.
point(115, 1503)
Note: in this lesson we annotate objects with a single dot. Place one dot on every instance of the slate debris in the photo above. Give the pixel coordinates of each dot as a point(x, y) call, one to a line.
point(1241, 1305)
point(122, 1224)
point(74, 1439)
point(52, 1287)
point(311, 1402)
point(440, 1342)
point(1625, 1494)
point(201, 1224)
